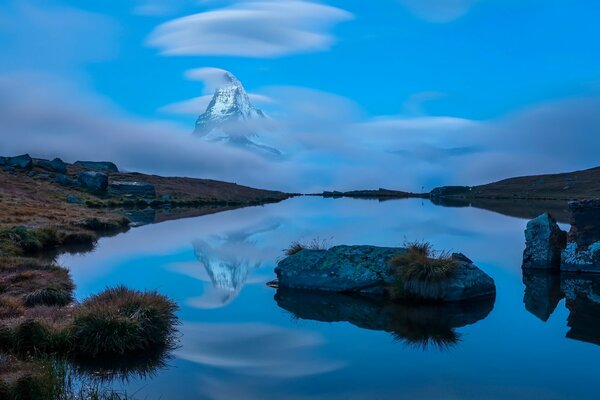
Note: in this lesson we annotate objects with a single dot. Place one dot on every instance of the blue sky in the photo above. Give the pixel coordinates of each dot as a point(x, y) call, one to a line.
point(493, 64)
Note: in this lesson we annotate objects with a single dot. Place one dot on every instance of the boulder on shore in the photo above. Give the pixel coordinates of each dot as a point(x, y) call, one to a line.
point(134, 188)
point(56, 165)
point(105, 166)
point(544, 243)
point(94, 181)
point(23, 161)
point(367, 270)
point(65, 180)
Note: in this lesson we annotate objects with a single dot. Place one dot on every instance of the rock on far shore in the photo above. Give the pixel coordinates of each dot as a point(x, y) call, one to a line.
point(134, 188)
point(366, 270)
point(105, 166)
point(544, 243)
point(94, 181)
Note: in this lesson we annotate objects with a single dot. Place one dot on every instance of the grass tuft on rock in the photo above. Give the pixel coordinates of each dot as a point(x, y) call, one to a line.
point(315, 244)
point(121, 321)
point(421, 271)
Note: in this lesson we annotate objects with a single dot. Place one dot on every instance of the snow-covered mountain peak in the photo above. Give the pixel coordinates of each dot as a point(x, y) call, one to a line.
point(229, 108)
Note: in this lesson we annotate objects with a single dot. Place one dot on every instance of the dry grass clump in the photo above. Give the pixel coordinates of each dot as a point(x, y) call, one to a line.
point(121, 321)
point(10, 307)
point(421, 271)
point(315, 244)
point(49, 296)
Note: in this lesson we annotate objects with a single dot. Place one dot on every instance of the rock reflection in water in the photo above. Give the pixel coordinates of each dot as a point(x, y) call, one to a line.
point(419, 325)
point(544, 290)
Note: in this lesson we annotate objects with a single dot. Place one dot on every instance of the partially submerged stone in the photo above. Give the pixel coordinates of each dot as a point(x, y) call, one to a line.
point(544, 243)
point(366, 270)
point(94, 181)
point(586, 259)
point(105, 166)
point(582, 253)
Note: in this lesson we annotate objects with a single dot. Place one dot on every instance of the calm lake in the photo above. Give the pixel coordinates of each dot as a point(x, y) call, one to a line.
point(239, 342)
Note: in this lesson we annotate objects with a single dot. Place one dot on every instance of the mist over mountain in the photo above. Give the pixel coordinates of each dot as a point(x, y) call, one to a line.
point(231, 118)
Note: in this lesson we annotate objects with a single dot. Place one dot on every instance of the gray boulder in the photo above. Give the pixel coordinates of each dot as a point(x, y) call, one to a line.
point(582, 253)
point(94, 181)
point(581, 259)
point(134, 188)
point(366, 270)
point(65, 180)
point(544, 243)
point(56, 165)
point(106, 166)
point(23, 161)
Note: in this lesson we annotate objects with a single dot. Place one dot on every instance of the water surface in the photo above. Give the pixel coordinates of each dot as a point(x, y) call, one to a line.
point(239, 342)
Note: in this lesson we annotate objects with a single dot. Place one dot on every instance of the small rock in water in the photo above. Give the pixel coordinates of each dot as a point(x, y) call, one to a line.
point(544, 243)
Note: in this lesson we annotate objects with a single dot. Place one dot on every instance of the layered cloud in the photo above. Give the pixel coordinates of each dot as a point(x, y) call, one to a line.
point(267, 28)
point(329, 143)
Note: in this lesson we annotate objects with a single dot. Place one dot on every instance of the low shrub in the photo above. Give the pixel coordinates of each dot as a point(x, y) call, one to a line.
point(421, 271)
point(20, 240)
point(49, 296)
point(120, 321)
point(35, 337)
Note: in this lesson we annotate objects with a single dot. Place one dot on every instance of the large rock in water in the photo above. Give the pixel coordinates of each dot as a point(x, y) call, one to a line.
point(106, 166)
point(135, 188)
point(366, 270)
point(94, 181)
point(544, 243)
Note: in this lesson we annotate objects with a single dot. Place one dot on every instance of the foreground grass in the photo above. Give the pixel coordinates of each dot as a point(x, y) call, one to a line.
point(40, 322)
